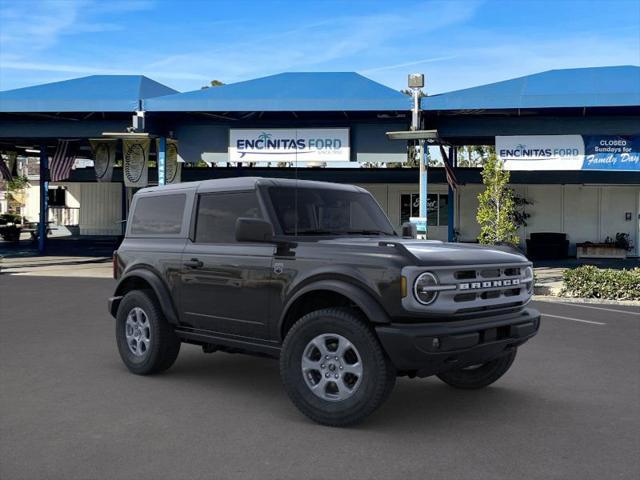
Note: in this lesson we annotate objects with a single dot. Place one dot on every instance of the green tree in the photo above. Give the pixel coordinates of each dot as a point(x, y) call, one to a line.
point(496, 209)
point(213, 83)
point(474, 155)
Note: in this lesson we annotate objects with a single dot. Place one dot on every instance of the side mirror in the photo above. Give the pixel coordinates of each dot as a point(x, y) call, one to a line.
point(409, 230)
point(253, 230)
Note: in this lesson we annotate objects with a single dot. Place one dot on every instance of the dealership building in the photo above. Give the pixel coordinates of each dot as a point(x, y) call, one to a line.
point(571, 139)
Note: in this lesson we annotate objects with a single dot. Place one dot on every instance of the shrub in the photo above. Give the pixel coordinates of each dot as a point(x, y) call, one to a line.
point(591, 282)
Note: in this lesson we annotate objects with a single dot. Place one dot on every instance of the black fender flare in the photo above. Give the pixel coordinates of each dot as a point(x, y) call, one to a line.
point(157, 285)
point(358, 295)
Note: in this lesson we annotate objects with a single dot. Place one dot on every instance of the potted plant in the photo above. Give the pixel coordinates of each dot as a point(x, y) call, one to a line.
point(617, 247)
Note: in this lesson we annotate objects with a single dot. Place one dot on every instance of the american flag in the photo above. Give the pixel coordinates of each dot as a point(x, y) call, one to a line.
point(62, 161)
point(448, 169)
point(4, 170)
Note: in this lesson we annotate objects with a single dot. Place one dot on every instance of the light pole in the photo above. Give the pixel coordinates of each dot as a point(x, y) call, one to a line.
point(416, 83)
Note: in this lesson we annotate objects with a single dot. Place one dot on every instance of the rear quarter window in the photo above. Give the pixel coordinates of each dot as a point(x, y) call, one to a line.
point(158, 215)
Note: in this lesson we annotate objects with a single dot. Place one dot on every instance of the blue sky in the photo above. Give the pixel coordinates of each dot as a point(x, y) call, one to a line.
point(184, 44)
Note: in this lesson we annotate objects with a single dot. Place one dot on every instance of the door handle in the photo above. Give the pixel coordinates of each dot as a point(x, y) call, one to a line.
point(193, 263)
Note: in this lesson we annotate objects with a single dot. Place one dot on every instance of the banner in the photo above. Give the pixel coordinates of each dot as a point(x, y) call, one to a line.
point(12, 161)
point(104, 157)
point(135, 154)
point(610, 152)
point(541, 152)
point(173, 167)
point(289, 145)
point(172, 163)
point(569, 152)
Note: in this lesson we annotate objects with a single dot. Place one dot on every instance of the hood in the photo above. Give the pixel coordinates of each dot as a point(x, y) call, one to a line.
point(436, 253)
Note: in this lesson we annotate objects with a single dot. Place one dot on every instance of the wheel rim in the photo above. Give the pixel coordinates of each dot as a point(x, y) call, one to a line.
point(332, 367)
point(138, 332)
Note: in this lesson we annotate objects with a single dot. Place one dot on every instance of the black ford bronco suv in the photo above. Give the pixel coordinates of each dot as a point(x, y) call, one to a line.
point(313, 273)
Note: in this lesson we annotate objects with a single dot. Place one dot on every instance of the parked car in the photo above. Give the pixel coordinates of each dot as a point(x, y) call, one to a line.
point(313, 273)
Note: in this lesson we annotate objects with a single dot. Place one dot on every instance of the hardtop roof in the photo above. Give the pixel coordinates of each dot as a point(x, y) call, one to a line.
point(245, 183)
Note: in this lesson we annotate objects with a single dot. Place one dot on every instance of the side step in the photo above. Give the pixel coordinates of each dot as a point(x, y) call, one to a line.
point(246, 344)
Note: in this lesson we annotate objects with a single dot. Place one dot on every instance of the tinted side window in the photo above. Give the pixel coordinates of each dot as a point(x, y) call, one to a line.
point(218, 212)
point(158, 215)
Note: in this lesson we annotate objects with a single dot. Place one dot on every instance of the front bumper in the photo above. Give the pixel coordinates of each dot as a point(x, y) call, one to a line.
point(429, 348)
point(113, 303)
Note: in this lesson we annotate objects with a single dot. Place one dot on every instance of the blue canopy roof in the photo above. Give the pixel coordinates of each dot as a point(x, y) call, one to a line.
point(297, 92)
point(577, 87)
point(96, 93)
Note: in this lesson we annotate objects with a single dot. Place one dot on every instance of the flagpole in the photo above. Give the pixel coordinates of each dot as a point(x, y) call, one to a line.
point(44, 199)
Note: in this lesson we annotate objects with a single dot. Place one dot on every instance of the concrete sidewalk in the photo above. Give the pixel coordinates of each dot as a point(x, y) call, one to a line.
point(548, 280)
point(58, 266)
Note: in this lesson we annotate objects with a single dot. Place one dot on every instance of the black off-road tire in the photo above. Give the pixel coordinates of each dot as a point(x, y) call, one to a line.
point(164, 344)
point(479, 377)
point(378, 377)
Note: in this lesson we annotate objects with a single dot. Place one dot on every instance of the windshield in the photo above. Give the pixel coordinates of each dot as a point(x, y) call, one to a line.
point(318, 211)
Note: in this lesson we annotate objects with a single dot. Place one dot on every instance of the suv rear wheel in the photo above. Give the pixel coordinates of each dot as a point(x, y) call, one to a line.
point(333, 367)
point(479, 376)
point(146, 341)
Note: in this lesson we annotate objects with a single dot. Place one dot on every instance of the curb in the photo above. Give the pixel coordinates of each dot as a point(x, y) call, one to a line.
point(597, 301)
point(9, 266)
point(546, 290)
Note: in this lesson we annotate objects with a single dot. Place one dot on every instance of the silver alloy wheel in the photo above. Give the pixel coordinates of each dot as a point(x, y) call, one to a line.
point(332, 367)
point(138, 332)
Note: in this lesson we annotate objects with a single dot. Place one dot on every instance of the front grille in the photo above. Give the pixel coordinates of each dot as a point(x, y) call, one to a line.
point(488, 288)
point(483, 288)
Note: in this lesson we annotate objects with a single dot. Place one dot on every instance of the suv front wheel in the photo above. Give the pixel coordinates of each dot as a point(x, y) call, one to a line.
point(146, 341)
point(333, 367)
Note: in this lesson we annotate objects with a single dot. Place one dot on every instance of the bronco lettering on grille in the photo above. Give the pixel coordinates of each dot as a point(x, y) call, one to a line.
point(490, 284)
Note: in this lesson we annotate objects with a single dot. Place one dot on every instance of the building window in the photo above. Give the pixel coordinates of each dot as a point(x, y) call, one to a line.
point(437, 208)
point(57, 197)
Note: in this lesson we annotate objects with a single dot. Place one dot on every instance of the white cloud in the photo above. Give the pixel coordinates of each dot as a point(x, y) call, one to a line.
point(408, 64)
point(31, 27)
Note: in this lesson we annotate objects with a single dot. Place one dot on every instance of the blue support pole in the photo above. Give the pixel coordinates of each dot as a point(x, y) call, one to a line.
point(423, 184)
point(450, 199)
point(162, 160)
point(44, 199)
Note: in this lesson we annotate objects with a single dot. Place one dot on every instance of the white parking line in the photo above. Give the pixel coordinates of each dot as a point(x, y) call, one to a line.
point(601, 308)
point(573, 319)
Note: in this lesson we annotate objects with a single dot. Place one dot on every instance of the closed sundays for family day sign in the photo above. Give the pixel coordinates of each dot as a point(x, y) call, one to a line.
point(289, 145)
point(569, 152)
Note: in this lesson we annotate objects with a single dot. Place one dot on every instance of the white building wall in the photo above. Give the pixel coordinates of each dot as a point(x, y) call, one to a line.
point(31, 208)
point(583, 212)
point(615, 203)
point(581, 215)
point(100, 208)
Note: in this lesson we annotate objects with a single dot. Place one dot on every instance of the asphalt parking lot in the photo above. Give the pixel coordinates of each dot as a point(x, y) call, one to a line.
point(568, 409)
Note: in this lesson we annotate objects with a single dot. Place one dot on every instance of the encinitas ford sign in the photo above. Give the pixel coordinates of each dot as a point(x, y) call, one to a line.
point(541, 152)
point(569, 152)
point(289, 145)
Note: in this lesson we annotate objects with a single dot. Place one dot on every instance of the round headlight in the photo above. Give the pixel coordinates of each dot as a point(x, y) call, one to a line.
point(528, 272)
point(423, 288)
point(528, 275)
